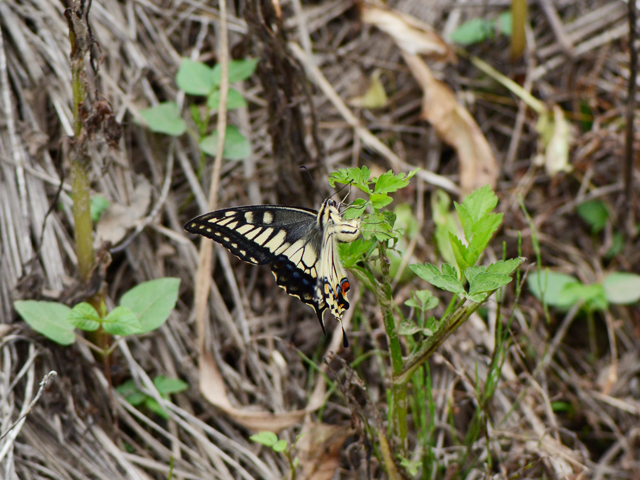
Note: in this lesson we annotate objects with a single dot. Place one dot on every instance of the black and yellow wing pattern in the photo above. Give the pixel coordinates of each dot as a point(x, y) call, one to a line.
point(299, 243)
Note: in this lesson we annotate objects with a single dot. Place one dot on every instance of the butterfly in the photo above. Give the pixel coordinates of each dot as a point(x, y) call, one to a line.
point(300, 244)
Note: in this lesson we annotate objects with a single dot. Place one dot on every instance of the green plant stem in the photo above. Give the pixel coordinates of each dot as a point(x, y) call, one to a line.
point(451, 321)
point(80, 41)
point(399, 390)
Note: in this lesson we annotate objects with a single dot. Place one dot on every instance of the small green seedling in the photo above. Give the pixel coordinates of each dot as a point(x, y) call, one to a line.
point(200, 80)
point(142, 309)
point(165, 386)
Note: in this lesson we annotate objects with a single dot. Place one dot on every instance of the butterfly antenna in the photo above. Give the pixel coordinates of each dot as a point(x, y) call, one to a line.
point(303, 167)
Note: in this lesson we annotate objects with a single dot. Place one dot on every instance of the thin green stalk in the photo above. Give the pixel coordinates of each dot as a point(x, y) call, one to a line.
point(399, 390)
point(431, 344)
point(80, 161)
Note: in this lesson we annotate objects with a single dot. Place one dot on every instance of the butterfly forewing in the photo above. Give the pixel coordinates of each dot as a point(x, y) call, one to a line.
point(299, 243)
point(286, 237)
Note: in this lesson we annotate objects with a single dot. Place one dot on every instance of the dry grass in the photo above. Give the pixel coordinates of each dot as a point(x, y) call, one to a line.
point(80, 428)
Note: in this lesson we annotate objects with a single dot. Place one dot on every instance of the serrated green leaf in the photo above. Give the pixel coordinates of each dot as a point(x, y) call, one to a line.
point(98, 205)
point(480, 202)
point(464, 258)
point(48, 319)
point(234, 100)
point(352, 253)
point(449, 270)
point(355, 210)
point(84, 317)
point(358, 177)
point(427, 272)
point(236, 146)
point(152, 301)
point(168, 385)
point(505, 267)
point(476, 298)
point(164, 118)
point(482, 231)
point(195, 78)
point(389, 182)
point(622, 288)
point(122, 321)
point(487, 282)
point(380, 200)
point(239, 70)
point(265, 438)
point(447, 280)
point(549, 286)
point(280, 446)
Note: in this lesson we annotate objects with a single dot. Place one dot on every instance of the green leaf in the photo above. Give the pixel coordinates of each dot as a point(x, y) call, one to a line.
point(593, 295)
point(358, 177)
point(504, 23)
point(447, 280)
point(234, 100)
point(413, 303)
point(130, 392)
point(155, 407)
point(464, 258)
point(195, 78)
point(380, 200)
point(505, 267)
point(152, 301)
point(379, 225)
point(280, 446)
point(407, 327)
point(238, 70)
point(473, 31)
point(352, 253)
point(549, 286)
point(165, 118)
point(84, 317)
point(265, 438)
point(389, 182)
point(486, 282)
point(482, 231)
point(48, 319)
point(595, 213)
point(622, 288)
point(236, 146)
point(479, 203)
point(423, 295)
point(98, 205)
point(122, 321)
point(168, 385)
point(355, 209)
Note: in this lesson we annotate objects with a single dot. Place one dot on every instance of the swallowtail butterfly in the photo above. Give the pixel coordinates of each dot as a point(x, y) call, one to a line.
point(299, 243)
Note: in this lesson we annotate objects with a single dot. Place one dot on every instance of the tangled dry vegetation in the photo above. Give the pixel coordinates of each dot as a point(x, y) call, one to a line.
point(563, 408)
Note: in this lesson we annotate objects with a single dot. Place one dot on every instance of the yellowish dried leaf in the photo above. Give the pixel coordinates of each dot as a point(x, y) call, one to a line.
point(374, 97)
point(319, 450)
point(455, 125)
point(411, 35)
point(213, 389)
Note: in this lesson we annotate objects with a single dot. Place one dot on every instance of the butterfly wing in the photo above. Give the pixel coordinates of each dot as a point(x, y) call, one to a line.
point(288, 238)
